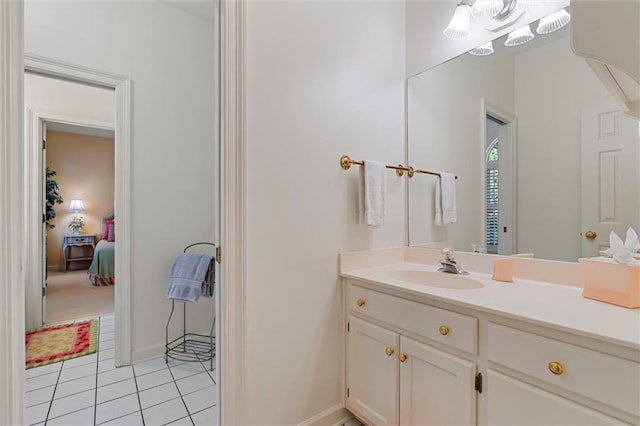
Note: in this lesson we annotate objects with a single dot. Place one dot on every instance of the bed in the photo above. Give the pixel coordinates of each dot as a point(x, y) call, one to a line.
point(102, 270)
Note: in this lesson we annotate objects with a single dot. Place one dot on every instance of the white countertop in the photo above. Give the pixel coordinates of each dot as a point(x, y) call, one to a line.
point(557, 306)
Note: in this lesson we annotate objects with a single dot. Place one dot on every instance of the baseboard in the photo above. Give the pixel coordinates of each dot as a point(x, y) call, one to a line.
point(147, 353)
point(54, 268)
point(332, 416)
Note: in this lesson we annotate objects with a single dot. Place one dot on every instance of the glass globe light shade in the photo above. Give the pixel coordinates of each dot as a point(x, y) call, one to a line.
point(484, 50)
point(486, 8)
point(459, 26)
point(525, 5)
point(553, 22)
point(519, 36)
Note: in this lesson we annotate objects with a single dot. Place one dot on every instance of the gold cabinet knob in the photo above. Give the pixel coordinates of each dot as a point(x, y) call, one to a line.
point(444, 330)
point(402, 357)
point(389, 351)
point(360, 302)
point(556, 368)
point(590, 235)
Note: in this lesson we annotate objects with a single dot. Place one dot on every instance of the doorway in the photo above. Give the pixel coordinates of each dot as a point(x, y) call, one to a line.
point(79, 276)
point(498, 181)
point(120, 88)
point(73, 127)
point(17, 264)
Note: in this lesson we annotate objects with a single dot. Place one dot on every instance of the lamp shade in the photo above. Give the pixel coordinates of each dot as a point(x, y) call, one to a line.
point(553, 22)
point(76, 206)
point(525, 5)
point(519, 36)
point(486, 8)
point(484, 50)
point(459, 26)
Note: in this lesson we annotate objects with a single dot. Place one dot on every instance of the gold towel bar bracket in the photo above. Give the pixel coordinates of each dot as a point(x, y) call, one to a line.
point(346, 162)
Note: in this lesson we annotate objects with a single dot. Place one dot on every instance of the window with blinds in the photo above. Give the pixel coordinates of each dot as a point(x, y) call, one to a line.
point(491, 203)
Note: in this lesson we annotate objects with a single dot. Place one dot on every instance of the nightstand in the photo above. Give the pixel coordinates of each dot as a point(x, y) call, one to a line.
point(76, 240)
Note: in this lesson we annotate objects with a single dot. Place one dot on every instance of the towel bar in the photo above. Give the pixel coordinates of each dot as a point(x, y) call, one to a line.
point(346, 162)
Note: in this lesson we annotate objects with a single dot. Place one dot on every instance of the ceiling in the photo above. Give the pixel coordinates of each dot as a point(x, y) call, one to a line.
point(81, 130)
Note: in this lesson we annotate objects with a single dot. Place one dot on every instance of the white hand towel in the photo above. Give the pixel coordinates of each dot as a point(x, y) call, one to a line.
point(446, 199)
point(374, 192)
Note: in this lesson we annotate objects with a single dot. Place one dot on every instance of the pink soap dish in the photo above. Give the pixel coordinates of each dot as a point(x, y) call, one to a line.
point(609, 281)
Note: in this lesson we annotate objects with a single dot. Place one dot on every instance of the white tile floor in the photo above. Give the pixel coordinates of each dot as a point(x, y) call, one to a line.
point(90, 391)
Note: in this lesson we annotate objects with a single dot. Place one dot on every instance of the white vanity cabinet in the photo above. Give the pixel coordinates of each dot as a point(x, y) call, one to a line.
point(412, 362)
point(372, 390)
point(515, 402)
point(542, 366)
point(394, 379)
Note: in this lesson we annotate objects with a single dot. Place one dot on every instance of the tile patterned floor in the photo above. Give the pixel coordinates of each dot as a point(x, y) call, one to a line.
point(90, 391)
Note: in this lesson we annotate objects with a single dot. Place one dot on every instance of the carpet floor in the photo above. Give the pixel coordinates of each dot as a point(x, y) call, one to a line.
point(71, 296)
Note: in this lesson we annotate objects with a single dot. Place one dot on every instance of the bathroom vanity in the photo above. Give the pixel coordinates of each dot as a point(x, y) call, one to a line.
point(426, 347)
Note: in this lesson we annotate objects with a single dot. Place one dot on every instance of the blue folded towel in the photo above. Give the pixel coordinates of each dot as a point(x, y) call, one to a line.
point(187, 274)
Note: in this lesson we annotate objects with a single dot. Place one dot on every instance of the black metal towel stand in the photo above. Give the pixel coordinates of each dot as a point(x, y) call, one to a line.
point(191, 346)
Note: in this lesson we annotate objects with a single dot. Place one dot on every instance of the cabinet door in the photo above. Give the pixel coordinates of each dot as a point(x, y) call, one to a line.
point(372, 373)
point(436, 388)
point(513, 402)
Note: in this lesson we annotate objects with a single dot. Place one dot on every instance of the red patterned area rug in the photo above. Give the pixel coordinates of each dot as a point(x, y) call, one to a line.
point(61, 342)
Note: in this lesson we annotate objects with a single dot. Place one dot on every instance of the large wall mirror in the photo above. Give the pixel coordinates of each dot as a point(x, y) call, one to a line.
point(542, 153)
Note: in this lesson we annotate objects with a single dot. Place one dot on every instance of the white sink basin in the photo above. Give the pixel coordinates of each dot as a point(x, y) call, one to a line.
point(436, 279)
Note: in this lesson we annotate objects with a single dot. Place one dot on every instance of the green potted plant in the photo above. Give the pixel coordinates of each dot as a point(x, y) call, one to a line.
point(53, 197)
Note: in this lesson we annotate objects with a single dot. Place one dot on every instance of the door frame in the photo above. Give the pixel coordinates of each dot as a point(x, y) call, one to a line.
point(12, 222)
point(232, 343)
point(122, 188)
point(33, 205)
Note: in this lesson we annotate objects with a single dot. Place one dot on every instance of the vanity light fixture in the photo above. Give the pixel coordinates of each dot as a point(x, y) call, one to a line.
point(484, 50)
point(553, 22)
point(519, 36)
point(496, 10)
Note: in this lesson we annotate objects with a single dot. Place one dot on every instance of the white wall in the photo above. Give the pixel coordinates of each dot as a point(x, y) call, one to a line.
point(444, 133)
point(169, 56)
point(551, 86)
point(65, 98)
point(323, 79)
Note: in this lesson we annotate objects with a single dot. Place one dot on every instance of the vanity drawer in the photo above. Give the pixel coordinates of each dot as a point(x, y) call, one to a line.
point(605, 378)
point(450, 328)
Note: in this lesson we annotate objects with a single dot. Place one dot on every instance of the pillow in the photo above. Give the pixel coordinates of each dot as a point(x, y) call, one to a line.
point(111, 234)
point(105, 228)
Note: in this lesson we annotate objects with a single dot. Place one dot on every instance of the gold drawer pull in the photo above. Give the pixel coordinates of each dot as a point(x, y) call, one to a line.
point(402, 357)
point(556, 368)
point(389, 351)
point(360, 302)
point(444, 330)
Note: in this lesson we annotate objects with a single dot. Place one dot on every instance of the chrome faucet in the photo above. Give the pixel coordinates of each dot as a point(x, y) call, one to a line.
point(449, 263)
